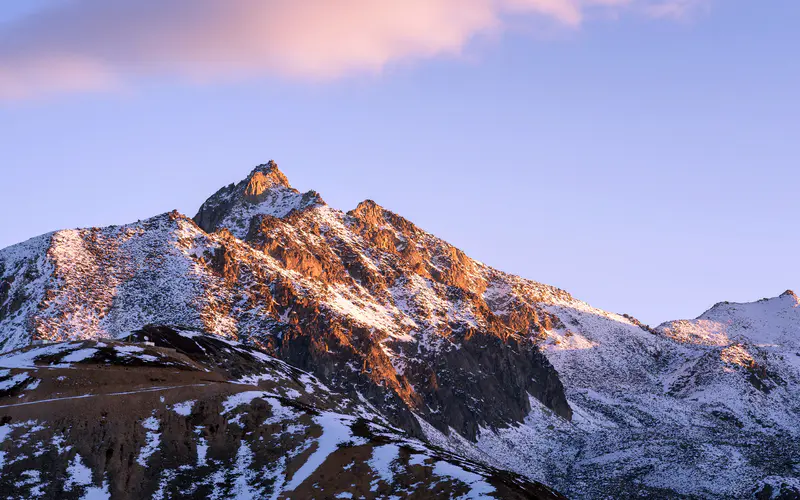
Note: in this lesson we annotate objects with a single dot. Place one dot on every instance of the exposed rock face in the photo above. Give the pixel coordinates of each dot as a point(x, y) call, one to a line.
point(502, 369)
point(390, 263)
point(263, 179)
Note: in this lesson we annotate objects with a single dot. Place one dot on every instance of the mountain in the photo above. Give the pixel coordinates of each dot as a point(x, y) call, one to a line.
point(502, 371)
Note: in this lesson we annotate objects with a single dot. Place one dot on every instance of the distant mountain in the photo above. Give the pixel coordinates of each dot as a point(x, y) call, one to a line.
point(505, 371)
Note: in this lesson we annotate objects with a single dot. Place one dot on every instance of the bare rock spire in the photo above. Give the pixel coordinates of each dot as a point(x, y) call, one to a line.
point(263, 178)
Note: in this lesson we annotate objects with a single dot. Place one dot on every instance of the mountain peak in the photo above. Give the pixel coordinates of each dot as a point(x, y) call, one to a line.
point(263, 178)
point(266, 167)
point(265, 191)
point(367, 209)
point(792, 297)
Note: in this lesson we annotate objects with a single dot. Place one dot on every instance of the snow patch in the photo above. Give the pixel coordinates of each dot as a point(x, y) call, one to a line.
point(13, 381)
point(152, 440)
point(184, 408)
point(77, 474)
point(479, 488)
point(79, 355)
point(381, 462)
point(335, 431)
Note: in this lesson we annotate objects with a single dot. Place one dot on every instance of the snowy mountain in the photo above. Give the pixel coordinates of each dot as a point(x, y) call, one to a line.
point(507, 372)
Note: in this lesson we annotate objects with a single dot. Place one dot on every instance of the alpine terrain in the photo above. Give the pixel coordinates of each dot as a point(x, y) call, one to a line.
point(275, 347)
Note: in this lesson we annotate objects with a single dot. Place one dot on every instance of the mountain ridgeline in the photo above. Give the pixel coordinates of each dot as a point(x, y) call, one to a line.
point(506, 373)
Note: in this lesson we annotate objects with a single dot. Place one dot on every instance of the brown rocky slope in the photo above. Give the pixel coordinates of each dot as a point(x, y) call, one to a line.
point(193, 416)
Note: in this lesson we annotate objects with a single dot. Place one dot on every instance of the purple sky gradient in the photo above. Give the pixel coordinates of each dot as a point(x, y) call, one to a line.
point(647, 166)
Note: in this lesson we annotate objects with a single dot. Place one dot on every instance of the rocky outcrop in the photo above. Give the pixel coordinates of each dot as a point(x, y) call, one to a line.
point(261, 180)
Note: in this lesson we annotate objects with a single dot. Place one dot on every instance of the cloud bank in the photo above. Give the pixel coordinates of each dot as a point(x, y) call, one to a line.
point(85, 45)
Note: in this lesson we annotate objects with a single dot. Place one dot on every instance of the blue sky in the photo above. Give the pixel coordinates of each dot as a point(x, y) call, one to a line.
point(645, 163)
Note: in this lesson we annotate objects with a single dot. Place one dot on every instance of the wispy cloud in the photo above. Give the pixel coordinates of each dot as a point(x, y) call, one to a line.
point(675, 9)
point(99, 44)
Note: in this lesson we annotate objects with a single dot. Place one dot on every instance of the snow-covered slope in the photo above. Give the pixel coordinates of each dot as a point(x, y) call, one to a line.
point(654, 416)
point(767, 322)
point(89, 283)
point(25, 273)
point(509, 371)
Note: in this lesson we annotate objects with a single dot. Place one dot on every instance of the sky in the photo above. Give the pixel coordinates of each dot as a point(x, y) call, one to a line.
point(640, 154)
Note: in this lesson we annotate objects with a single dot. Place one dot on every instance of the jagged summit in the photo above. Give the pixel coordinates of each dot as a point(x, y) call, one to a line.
point(267, 168)
point(262, 179)
point(367, 205)
point(265, 191)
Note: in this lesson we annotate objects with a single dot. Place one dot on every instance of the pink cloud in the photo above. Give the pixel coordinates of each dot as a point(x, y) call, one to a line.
point(96, 44)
